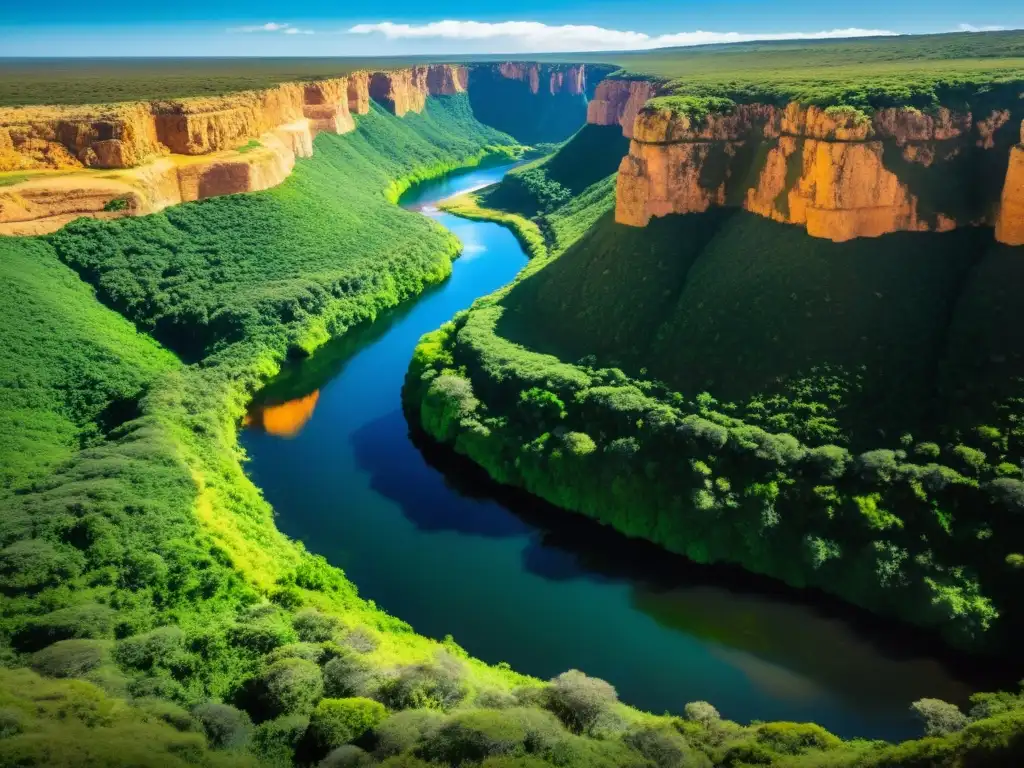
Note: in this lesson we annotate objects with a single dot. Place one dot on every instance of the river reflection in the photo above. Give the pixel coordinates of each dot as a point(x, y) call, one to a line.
point(283, 419)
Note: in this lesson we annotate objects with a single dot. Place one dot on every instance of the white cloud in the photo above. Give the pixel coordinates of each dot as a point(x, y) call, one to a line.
point(972, 28)
point(273, 26)
point(536, 36)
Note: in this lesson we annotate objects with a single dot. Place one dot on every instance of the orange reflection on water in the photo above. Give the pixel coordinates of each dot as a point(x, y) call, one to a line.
point(284, 419)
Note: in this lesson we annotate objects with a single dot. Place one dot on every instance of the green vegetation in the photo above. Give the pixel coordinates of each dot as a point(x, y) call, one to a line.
point(921, 71)
point(861, 432)
point(249, 146)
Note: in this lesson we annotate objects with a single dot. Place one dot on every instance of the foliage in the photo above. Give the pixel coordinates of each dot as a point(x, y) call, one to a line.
point(580, 701)
point(335, 722)
point(940, 718)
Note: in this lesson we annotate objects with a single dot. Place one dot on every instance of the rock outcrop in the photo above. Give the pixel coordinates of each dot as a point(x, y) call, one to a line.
point(836, 173)
point(406, 90)
point(554, 78)
point(1010, 224)
point(618, 102)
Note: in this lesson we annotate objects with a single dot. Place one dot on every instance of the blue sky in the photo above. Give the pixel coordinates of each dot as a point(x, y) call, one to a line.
point(396, 27)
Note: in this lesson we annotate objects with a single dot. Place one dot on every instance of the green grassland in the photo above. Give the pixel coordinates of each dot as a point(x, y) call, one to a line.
point(909, 70)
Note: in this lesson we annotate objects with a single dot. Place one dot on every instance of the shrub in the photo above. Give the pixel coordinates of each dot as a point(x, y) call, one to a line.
point(701, 712)
point(291, 686)
point(1015, 561)
point(664, 747)
point(434, 686)
point(225, 726)
point(927, 451)
point(116, 204)
point(829, 461)
point(155, 648)
point(794, 738)
point(474, 735)
point(307, 651)
point(263, 635)
point(175, 716)
point(346, 675)
point(276, 740)
point(339, 721)
point(71, 658)
point(404, 730)
point(1007, 491)
point(495, 698)
point(940, 717)
point(970, 460)
point(34, 563)
point(580, 701)
point(315, 627)
point(86, 620)
point(362, 639)
point(347, 756)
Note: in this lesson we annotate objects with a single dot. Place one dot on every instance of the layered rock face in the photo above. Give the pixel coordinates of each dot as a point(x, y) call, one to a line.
point(571, 80)
point(407, 90)
point(834, 173)
point(618, 102)
point(1010, 224)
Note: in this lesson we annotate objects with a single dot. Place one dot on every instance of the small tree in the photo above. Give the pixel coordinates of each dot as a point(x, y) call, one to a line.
point(580, 701)
point(225, 727)
point(292, 686)
point(940, 717)
point(339, 721)
point(701, 712)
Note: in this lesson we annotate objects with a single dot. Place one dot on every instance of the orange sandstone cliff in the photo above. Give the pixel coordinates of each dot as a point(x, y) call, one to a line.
point(835, 173)
point(618, 102)
point(172, 152)
point(554, 79)
point(1010, 224)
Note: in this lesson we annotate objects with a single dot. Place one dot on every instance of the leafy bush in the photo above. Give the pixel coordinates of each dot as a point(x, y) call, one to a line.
point(155, 648)
point(291, 686)
point(313, 626)
point(346, 675)
point(276, 741)
point(347, 756)
point(664, 747)
point(580, 701)
point(335, 722)
point(404, 730)
point(701, 712)
point(71, 658)
point(225, 726)
point(940, 717)
point(86, 620)
point(435, 686)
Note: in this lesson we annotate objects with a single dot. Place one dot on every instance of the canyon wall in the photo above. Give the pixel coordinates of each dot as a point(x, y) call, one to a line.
point(171, 152)
point(555, 79)
point(836, 173)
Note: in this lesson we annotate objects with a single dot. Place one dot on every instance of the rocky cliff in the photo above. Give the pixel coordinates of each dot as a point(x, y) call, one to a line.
point(837, 173)
point(1010, 225)
point(618, 102)
point(172, 152)
point(555, 79)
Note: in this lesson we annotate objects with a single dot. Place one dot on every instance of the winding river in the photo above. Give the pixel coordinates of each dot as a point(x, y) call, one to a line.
point(431, 541)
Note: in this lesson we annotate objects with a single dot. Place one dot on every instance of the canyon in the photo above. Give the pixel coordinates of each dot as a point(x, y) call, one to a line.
point(168, 152)
point(837, 173)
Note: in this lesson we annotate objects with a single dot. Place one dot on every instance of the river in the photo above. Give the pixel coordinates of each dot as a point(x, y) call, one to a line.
point(431, 541)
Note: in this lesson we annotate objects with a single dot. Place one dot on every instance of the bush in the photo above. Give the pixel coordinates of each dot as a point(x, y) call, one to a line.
point(346, 675)
point(71, 658)
point(580, 701)
point(276, 740)
point(339, 721)
point(404, 730)
point(701, 712)
point(225, 726)
point(970, 461)
point(308, 651)
point(291, 686)
point(940, 717)
point(175, 716)
point(474, 735)
point(156, 648)
point(362, 639)
point(32, 564)
point(1007, 491)
point(795, 738)
point(84, 621)
point(315, 627)
point(664, 747)
point(431, 686)
point(348, 756)
point(263, 635)
point(829, 461)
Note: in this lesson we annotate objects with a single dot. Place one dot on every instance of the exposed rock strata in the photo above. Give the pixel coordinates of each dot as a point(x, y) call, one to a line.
point(618, 102)
point(825, 170)
point(1010, 224)
point(555, 79)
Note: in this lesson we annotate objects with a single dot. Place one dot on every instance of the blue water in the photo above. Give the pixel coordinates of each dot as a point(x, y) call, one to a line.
point(432, 542)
